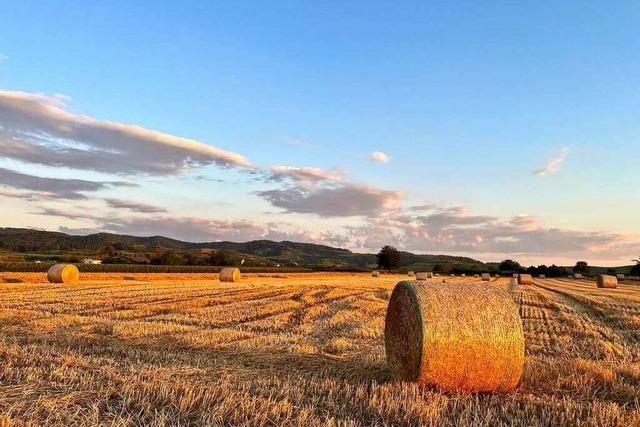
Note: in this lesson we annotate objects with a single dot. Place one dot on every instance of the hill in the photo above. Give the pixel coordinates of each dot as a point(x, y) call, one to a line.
point(30, 244)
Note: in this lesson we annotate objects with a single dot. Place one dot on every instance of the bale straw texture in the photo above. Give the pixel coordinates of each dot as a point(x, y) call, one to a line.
point(455, 338)
point(525, 279)
point(63, 273)
point(486, 277)
point(605, 281)
point(230, 274)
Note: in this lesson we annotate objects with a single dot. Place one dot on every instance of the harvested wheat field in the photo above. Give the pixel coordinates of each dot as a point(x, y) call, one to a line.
point(296, 349)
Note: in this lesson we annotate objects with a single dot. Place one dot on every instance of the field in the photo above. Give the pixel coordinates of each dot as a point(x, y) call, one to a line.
point(295, 349)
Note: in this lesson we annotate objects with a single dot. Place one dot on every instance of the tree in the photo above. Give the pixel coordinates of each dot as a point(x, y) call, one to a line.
point(509, 266)
point(107, 252)
point(581, 267)
point(389, 258)
point(635, 270)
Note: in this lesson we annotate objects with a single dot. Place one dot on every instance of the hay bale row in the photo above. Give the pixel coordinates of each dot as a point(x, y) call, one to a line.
point(63, 273)
point(605, 281)
point(230, 274)
point(455, 338)
point(525, 279)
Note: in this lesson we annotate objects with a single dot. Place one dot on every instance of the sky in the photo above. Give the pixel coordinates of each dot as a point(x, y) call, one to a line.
point(489, 129)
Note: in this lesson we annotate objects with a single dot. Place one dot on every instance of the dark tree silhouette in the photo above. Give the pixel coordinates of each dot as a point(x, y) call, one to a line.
point(581, 267)
point(509, 266)
point(635, 270)
point(388, 258)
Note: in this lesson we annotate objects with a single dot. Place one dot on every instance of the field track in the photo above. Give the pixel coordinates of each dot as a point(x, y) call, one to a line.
point(298, 349)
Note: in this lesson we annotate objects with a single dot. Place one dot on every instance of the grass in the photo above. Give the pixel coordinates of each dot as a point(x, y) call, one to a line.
point(304, 349)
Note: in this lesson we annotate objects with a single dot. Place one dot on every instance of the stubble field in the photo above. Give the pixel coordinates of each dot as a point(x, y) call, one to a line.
point(294, 349)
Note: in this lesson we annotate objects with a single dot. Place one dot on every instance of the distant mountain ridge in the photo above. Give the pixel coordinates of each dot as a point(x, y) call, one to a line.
point(24, 240)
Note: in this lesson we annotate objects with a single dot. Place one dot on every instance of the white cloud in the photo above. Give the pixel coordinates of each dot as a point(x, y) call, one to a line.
point(553, 165)
point(379, 157)
point(37, 129)
point(309, 174)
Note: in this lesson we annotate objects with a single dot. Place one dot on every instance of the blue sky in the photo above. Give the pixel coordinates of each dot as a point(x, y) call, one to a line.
point(468, 100)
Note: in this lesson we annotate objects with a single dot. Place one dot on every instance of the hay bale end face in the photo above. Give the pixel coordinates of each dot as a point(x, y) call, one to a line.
point(437, 334)
point(605, 281)
point(525, 279)
point(230, 274)
point(63, 273)
point(422, 276)
point(486, 277)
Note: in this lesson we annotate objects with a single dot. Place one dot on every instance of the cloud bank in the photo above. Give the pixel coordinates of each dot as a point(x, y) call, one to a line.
point(37, 129)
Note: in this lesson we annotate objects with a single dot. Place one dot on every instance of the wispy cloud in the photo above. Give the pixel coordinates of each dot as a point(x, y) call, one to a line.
point(296, 142)
point(379, 157)
point(38, 129)
point(3, 58)
point(134, 206)
point(553, 165)
point(41, 187)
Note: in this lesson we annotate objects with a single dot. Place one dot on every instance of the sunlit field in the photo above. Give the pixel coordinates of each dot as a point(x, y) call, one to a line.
point(292, 349)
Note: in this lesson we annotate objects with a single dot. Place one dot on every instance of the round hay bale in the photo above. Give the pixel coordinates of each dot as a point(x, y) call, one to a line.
point(411, 274)
point(422, 275)
point(542, 276)
point(577, 276)
point(515, 275)
point(230, 274)
point(605, 281)
point(620, 277)
point(375, 274)
point(463, 275)
point(63, 273)
point(444, 280)
point(525, 279)
point(455, 338)
point(486, 277)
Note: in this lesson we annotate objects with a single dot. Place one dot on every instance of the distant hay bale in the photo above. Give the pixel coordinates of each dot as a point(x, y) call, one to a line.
point(496, 275)
point(455, 338)
point(411, 274)
point(12, 280)
point(577, 276)
point(436, 274)
point(444, 280)
point(525, 279)
point(63, 273)
point(422, 275)
point(605, 281)
point(542, 276)
point(452, 275)
point(515, 275)
point(620, 277)
point(476, 275)
point(463, 275)
point(375, 274)
point(230, 274)
point(486, 277)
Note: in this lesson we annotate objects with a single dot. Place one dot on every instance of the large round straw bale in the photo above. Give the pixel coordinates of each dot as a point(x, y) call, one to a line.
point(525, 279)
point(486, 277)
point(605, 281)
point(375, 274)
point(230, 274)
point(577, 276)
point(422, 276)
point(63, 273)
point(454, 338)
point(620, 277)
